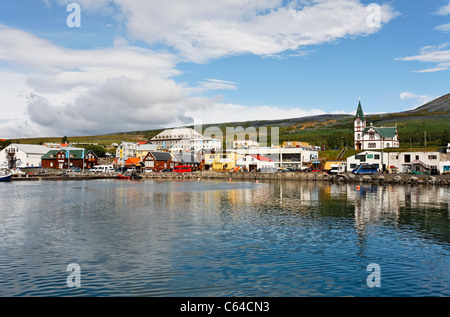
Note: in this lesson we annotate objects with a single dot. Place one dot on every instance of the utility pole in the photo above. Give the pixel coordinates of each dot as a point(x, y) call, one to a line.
point(425, 138)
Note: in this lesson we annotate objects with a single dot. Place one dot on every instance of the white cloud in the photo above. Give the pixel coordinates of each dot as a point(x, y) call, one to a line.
point(445, 10)
point(440, 55)
point(419, 100)
point(122, 88)
point(443, 28)
point(228, 112)
point(201, 29)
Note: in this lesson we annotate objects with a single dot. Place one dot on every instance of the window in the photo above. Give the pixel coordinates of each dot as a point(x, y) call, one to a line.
point(417, 157)
point(432, 157)
point(377, 156)
point(407, 158)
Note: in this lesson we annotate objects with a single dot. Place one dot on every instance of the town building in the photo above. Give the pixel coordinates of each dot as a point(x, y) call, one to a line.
point(185, 139)
point(126, 150)
point(157, 161)
point(188, 159)
point(66, 158)
point(22, 155)
point(143, 149)
point(370, 137)
point(254, 162)
point(402, 162)
point(288, 157)
point(221, 160)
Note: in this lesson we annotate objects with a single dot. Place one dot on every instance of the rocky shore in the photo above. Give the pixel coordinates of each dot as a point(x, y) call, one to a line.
point(443, 180)
point(413, 179)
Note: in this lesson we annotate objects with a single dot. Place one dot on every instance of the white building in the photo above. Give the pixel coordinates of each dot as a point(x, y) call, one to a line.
point(126, 149)
point(185, 139)
point(370, 137)
point(298, 157)
point(22, 155)
point(368, 157)
point(247, 144)
point(402, 162)
point(255, 162)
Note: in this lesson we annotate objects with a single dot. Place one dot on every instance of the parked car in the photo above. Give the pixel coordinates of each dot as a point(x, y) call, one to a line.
point(74, 169)
point(166, 170)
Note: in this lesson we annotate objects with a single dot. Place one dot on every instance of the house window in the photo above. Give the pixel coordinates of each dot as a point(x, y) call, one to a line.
point(432, 157)
point(51, 164)
point(377, 156)
point(371, 136)
point(407, 158)
point(417, 157)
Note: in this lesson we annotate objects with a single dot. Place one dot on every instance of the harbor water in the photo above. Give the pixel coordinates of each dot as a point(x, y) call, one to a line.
point(221, 238)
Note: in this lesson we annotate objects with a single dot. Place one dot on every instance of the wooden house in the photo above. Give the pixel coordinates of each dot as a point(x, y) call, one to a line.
point(65, 158)
point(157, 161)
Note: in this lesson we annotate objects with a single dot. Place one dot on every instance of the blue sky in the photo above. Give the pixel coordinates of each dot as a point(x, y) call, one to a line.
point(136, 64)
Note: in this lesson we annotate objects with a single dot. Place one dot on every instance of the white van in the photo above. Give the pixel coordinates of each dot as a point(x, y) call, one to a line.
point(338, 168)
point(102, 169)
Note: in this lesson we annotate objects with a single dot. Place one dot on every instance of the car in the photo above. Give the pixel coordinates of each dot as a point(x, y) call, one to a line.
point(166, 170)
point(74, 169)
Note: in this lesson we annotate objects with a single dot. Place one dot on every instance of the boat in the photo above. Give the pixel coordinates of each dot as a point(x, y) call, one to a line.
point(131, 177)
point(5, 176)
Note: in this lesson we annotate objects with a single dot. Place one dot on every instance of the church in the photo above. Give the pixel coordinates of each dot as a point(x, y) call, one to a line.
point(373, 138)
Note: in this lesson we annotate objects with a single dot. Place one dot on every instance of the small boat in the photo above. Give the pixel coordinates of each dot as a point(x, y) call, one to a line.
point(131, 177)
point(5, 176)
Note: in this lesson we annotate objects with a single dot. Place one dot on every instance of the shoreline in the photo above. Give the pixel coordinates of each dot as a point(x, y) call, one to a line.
point(414, 179)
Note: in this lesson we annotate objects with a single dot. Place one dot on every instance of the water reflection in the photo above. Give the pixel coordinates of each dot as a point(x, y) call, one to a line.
point(219, 238)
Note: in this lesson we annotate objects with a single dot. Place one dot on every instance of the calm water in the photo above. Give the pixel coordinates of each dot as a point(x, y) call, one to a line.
point(190, 238)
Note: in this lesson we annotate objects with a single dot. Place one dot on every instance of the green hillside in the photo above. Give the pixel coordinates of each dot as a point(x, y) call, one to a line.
point(430, 122)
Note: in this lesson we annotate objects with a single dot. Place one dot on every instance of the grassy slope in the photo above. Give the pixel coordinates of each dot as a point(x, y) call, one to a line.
point(433, 117)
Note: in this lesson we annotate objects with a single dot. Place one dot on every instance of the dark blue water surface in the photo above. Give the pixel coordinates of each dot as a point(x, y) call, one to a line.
point(217, 238)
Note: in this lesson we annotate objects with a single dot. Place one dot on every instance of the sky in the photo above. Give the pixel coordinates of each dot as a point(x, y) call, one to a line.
point(72, 68)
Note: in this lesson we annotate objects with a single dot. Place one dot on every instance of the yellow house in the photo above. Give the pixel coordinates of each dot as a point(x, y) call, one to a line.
point(222, 161)
point(144, 149)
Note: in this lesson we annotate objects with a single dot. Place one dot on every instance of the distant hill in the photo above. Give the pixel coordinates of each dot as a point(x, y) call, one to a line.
point(331, 130)
point(441, 104)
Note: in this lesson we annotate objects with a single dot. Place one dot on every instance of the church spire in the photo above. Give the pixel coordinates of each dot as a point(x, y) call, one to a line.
point(359, 112)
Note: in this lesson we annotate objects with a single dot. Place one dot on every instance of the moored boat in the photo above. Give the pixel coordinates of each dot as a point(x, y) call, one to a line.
point(5, 176)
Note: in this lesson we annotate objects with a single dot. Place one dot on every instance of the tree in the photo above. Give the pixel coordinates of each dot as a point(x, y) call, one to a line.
point(64, 140)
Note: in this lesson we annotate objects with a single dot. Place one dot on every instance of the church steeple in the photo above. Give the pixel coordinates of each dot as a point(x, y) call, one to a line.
point(359, 112)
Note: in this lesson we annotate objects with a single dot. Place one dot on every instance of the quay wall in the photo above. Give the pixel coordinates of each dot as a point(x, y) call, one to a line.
point(340, 178)
point(442, 180)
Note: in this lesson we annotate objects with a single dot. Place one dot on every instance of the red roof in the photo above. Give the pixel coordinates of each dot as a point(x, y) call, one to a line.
point(261, 158)
point(140, 143)
point(64, 144)
point(132, 161)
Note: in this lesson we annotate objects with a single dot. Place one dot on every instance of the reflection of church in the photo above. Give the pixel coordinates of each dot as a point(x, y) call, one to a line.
point(372, 138)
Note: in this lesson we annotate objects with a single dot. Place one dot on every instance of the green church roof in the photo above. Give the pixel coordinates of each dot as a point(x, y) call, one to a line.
point(359, 112)
point(385, 132)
